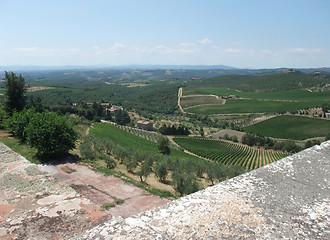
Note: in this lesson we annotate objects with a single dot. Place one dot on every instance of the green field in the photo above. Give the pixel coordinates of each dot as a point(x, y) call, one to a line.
point(124, 138)
point(230, 153)
point(251, 106)
point(258, 102)
point(291, 127)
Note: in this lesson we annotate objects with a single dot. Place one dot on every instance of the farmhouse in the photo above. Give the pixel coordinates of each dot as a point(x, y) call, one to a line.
point(113, 109)
point(145, 125)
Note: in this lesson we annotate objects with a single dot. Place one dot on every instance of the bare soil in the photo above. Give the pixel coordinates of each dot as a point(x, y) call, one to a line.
point(229, 132)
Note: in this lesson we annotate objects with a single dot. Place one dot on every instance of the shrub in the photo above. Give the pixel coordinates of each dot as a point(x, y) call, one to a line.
point(51, 134)
point(19, 121)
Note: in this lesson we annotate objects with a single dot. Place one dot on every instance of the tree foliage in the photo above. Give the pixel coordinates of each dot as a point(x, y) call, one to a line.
point(19, 121)
point(51, 134)
point(173, 130)
point(163, 145)
point(15, 90)
point(122, 117)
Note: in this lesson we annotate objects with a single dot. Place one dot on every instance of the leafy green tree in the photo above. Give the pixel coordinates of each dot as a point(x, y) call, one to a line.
point(86, 150)
point(234, 138)
point(3, 116)
point(19, 121)
point(145, 169)
point(131, 163)
point(161, 170)
point(111, 163)
point(122, 117)
point(184, 182)
point(51, 134)
point(15, 90)
point(163, 145)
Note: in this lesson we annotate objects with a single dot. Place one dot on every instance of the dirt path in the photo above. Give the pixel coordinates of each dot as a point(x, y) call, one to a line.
point(179, 100)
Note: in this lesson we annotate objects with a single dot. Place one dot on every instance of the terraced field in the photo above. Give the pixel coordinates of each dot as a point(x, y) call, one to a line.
point(230, 153)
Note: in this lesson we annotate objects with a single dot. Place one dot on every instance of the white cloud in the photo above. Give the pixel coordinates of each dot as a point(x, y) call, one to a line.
point(205, 41)
point(187, 44)
point(116, 49)
point(44, 52)
point(304, 50)
point(233, 50)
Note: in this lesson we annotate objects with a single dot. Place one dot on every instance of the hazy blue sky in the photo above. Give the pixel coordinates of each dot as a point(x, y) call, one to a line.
point(239, 33)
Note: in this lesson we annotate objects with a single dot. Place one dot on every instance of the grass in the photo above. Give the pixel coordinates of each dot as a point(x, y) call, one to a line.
point(251, 106)
point(21, 148)
point(291, 127)
point(108, 205)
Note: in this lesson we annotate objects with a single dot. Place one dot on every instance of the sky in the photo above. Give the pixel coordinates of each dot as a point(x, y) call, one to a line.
point(238, 33)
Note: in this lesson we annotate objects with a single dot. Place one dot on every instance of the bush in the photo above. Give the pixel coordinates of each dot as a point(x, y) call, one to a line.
point(51, 134)
point(3, 116)
point(18, 122)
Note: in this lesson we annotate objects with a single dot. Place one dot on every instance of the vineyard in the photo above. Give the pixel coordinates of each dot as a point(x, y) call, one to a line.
point(230, 153)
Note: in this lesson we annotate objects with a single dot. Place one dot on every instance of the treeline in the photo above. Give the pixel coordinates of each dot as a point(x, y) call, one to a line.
point(173, 130)
point(182, 174)
point(157, 97)
point(275, 81)
point(92, 112)
point(268, 143)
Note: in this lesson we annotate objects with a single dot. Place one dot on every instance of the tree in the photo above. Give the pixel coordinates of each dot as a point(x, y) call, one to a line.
point(3, 116)
point(163, 146)
point(111, 163)
point(160, 170)
point(51, 134)
point(183, 182)
point(86, 151)
point(19, 121)
point(122, 117)
point(14, 95)
point(145, 169)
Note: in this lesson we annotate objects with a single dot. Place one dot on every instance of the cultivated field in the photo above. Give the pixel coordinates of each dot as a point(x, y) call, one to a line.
point(256, 102)
point(127, 139)
point(291, 127)
point(251, 106)
point(230, 153)
point(200, 100)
